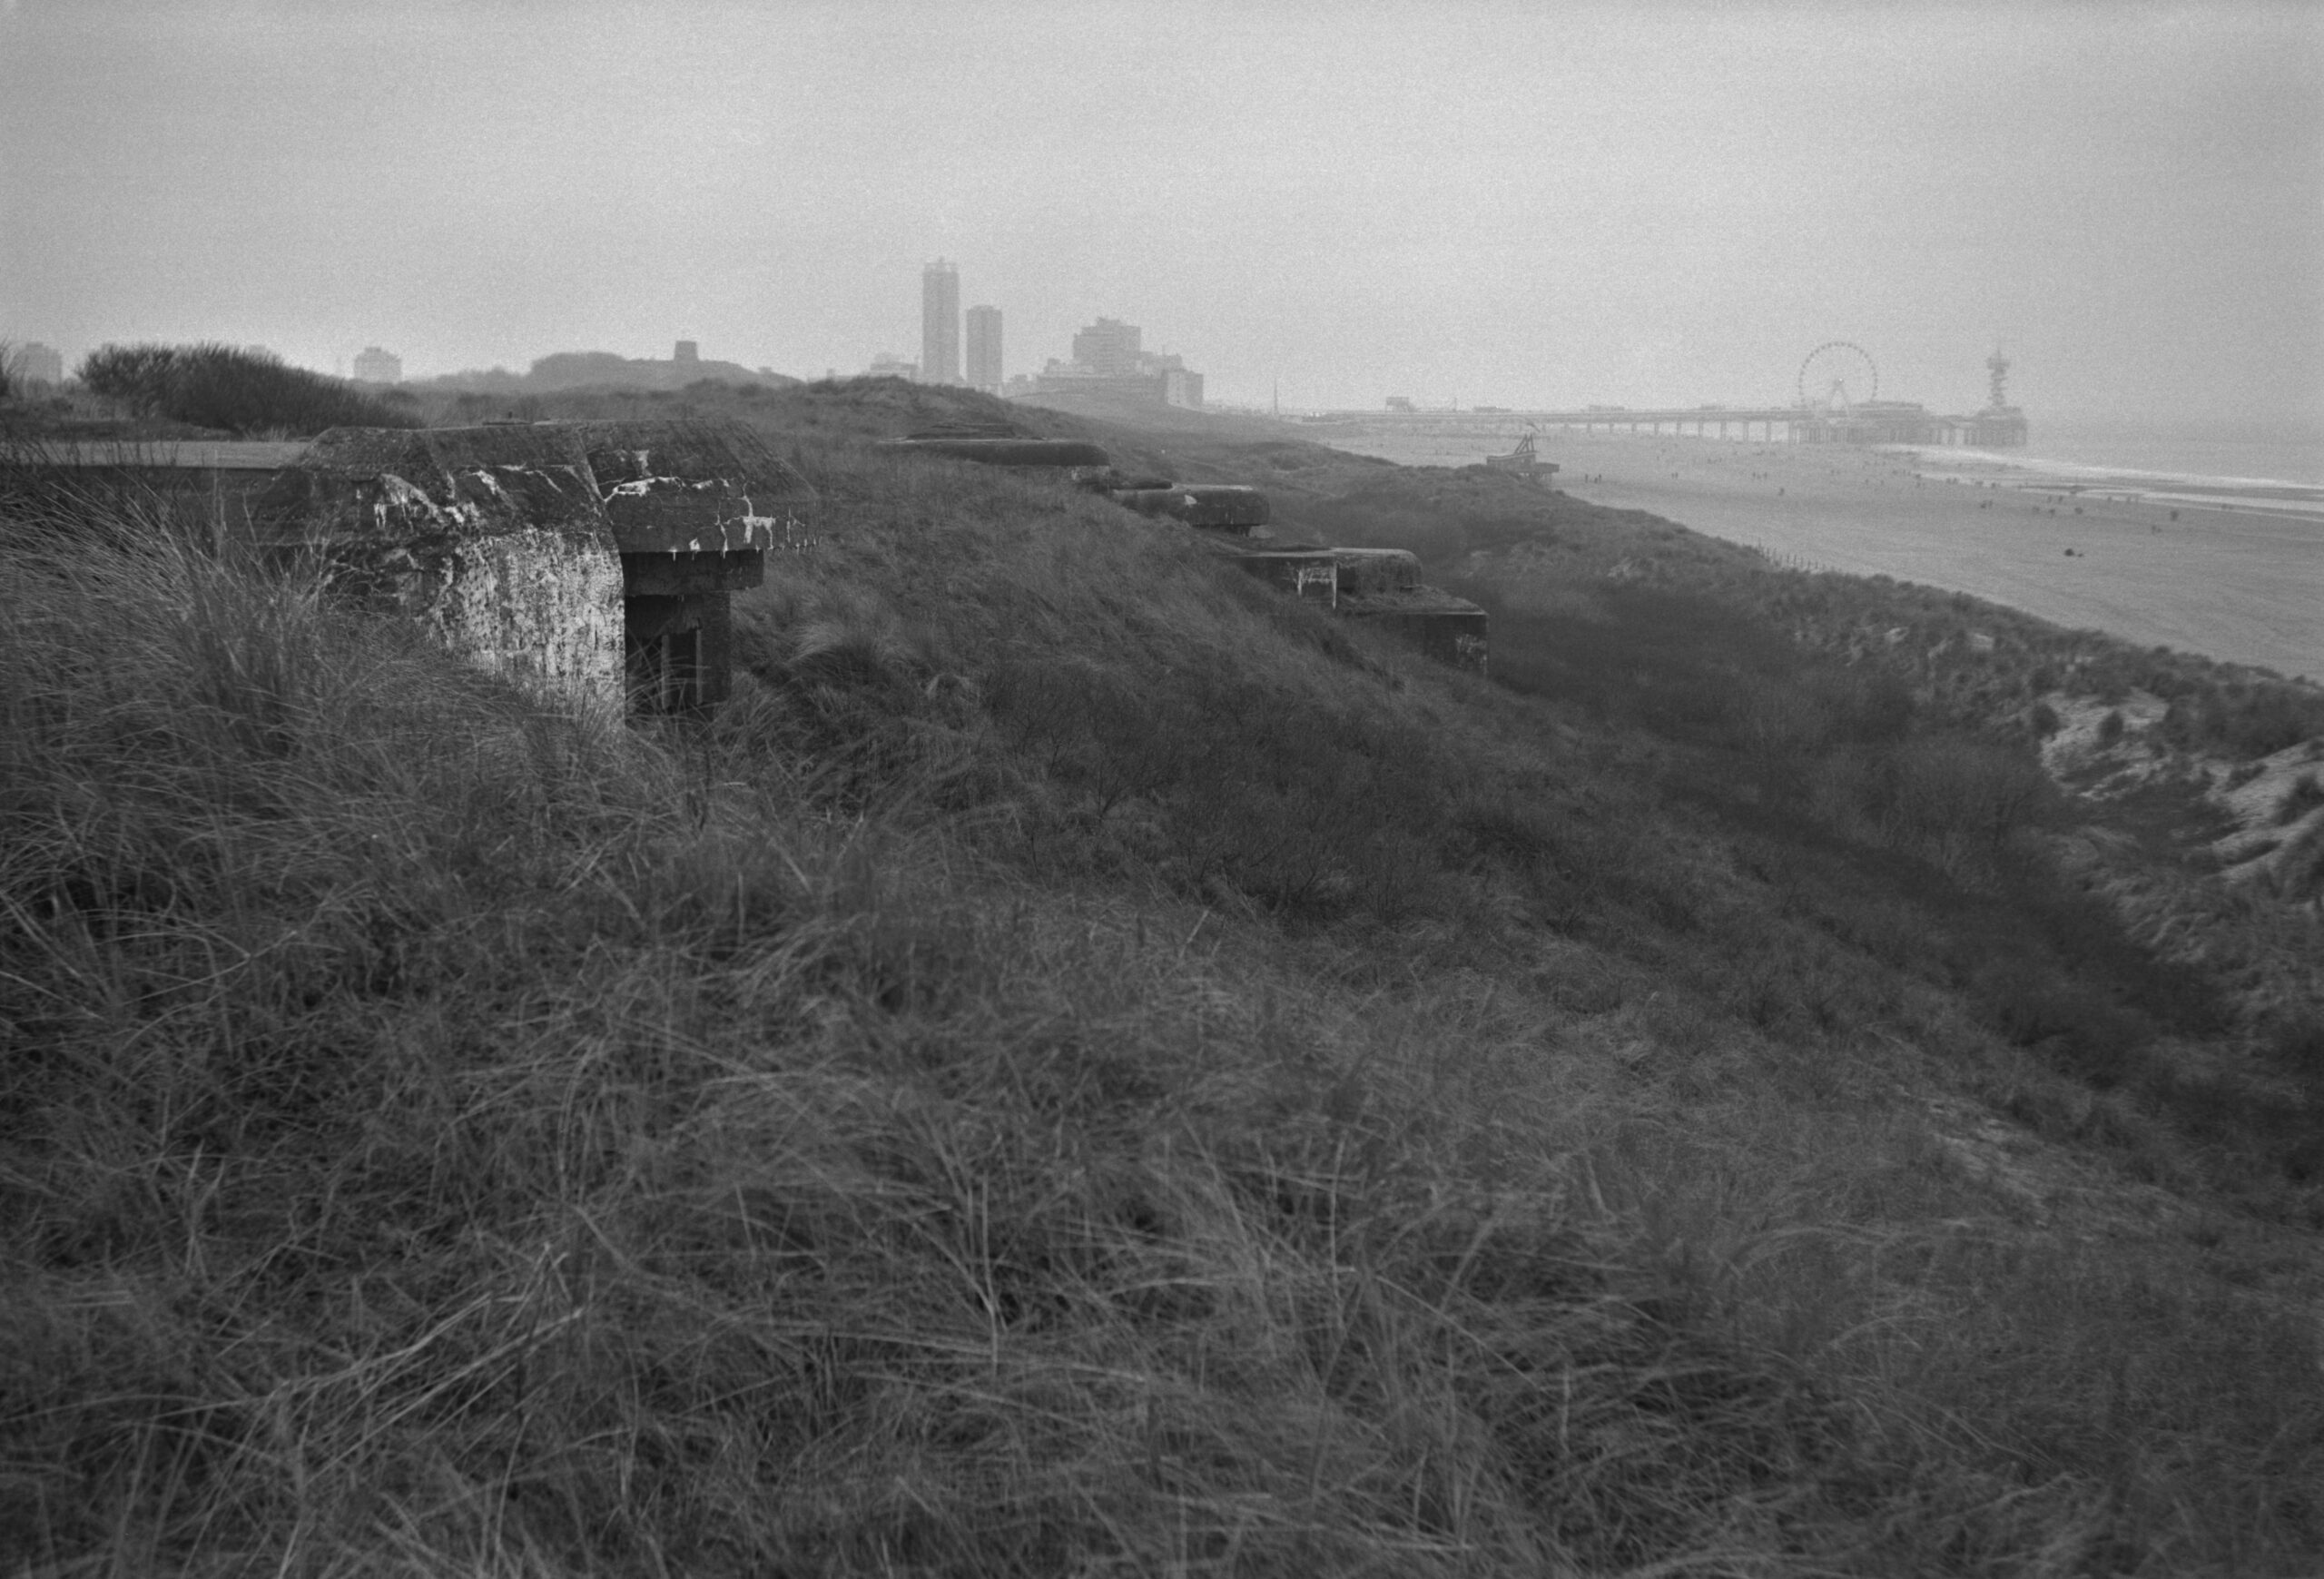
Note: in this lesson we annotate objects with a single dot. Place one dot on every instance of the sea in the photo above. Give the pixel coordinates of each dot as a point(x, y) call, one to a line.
point(2279, 471)
point(2283, 455)
point(2206, 541)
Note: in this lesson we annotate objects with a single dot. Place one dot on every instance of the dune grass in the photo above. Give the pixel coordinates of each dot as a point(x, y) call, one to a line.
point(1084, 1067)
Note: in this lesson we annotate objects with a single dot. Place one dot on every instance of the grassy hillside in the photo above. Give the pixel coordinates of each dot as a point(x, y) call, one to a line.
point(1089, 1066)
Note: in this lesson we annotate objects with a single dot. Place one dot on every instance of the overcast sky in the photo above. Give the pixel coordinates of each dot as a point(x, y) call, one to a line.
point(1519, 204)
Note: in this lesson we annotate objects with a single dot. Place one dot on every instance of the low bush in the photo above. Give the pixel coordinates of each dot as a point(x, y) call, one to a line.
point(240, 392)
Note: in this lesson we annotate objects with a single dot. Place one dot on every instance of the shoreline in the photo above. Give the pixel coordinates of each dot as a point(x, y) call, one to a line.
point(2120, 484)
point(2205, 570)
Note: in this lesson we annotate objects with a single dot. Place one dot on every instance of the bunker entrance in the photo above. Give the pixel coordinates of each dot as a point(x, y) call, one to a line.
point(666, 672)
point(677, 651)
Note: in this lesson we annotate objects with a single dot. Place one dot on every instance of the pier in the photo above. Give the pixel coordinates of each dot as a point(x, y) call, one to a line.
point(1836, 401)
point(1883, 422)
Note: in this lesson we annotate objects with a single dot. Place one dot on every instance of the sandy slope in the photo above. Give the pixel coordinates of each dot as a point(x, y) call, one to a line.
point(2238, 586)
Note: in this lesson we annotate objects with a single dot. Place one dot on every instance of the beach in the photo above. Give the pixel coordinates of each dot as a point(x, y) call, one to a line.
point(2232, 568)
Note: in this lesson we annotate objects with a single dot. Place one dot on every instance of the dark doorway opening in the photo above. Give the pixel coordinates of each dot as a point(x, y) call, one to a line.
point(666, 671)
point(678, 651)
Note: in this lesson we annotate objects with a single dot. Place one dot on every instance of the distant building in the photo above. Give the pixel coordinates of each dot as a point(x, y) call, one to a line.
point(1108, 361)
point(687, 351)
point(1108, 348)
point(374, 366)
point(984, 349)
point(1399, 402)
point(36, 363)
point(889, 365)
point(940, 323)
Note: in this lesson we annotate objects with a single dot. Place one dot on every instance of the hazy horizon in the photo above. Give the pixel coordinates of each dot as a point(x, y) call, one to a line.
point(1505, 204)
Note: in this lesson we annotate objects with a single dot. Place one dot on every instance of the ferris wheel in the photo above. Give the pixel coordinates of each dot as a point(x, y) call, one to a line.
point(1837, 375)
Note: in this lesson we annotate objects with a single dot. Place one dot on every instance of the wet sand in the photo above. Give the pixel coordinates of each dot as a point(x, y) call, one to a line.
point(2245, 584)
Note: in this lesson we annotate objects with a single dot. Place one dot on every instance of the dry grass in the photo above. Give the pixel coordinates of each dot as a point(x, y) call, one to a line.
point(916, 1126)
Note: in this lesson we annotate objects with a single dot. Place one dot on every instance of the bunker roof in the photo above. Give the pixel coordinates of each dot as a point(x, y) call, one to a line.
point(189, 454)
point(656, 487)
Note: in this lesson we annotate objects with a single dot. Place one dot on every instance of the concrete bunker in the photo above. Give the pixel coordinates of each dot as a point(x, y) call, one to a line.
point(695, 510)
point(1450, 629)
point(997, 449)
point(492, 538)
point(1304, 572)
point(600, 559)
point(1230, 507)
point(1380, 585)
point(597, 560)
point(1364, 572)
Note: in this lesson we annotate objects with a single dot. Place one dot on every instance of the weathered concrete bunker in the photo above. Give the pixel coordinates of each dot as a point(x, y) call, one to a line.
point(1229, 508)
point(1449, 629)
point(1305, 573)
point(595, 560)
point(493, 537)
point(1381, 587)
point(999, 450)
point(695, 509)
point(1366, 572)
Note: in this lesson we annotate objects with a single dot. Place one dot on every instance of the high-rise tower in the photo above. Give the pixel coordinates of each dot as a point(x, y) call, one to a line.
point(984, 348)
point(940, 323)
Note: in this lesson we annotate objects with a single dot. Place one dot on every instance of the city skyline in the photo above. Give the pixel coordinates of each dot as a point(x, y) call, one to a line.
point(1693, 199)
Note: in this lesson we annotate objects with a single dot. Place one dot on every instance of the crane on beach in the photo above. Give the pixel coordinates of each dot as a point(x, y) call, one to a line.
point(1524, 461)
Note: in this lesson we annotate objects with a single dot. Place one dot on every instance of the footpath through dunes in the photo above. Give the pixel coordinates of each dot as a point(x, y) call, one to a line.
point(1089, 1063)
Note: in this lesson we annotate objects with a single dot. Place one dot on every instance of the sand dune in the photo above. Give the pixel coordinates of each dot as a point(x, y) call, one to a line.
point(2240, 585)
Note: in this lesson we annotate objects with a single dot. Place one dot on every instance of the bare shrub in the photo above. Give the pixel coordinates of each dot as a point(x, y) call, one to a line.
point(221, 386)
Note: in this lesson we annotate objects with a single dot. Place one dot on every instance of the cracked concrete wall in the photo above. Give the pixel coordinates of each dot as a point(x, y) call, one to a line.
point(539, 607)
